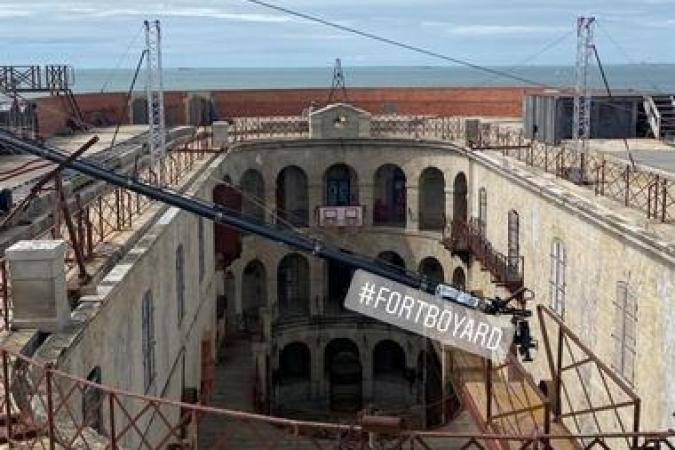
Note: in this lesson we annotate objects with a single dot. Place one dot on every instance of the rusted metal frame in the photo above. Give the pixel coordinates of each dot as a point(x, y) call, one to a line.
point(50, 410)
point(581, 412)
point(575, 339)
point(79, 428)
point(517, 412)
point(76, 243)
point(579, 363)
point(5, 293)
point(111, 421)
point(132, 421)
point(509, 396)
point(613, 405)
point(7, 389)
point(587, 396)
point(171, 430)
point(35, 190)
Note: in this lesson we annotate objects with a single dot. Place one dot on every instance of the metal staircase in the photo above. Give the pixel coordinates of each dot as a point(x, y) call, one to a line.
point(660, 111)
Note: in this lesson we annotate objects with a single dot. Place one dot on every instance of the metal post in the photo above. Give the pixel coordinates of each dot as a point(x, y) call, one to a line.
point(7, 388)
point(581, 125)
point(5, 294)
point(557, 410)
point(488, 391)
point(636, 421)
point(50, 408)
point(111, 414)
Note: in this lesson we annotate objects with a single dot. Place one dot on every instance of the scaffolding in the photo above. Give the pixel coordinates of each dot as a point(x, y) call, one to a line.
point(154, 90)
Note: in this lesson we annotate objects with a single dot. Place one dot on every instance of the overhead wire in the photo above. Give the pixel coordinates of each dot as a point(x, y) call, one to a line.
point(418, 49)
point(120, 60)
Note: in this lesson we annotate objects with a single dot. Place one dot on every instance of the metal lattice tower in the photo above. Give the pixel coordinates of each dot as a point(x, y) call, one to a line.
point(154, 90)
point(581, 125)
point(338, 83)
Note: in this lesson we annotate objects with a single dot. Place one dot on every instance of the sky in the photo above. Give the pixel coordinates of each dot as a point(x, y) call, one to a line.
point(234, 33)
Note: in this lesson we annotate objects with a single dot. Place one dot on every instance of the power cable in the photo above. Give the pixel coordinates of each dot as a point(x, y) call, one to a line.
point(625, 54)
point(120, 60)
point(609, 93)
point(417, 49)
point(400, 44)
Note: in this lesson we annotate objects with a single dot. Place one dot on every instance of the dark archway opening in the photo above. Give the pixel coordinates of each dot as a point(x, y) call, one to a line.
point(344, 372)
point(292, 200)
point(432, 200)
point(293, 286)
point(459, 211)
point(341, 186)
point(389, 196)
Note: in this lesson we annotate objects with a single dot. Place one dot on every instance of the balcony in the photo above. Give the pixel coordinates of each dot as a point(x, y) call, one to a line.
point(340, 216)
point(467, 239)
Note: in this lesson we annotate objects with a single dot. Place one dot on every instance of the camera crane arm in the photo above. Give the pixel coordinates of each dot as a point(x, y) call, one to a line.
point(221, 215)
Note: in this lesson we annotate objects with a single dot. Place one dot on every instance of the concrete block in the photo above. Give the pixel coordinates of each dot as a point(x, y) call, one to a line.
point(221, 132)
point(39, 285)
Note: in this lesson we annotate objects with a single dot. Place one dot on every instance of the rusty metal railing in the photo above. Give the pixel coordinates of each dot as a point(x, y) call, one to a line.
point(468, 237)
point(574, 369)
point(649, 191)
point(43, 407)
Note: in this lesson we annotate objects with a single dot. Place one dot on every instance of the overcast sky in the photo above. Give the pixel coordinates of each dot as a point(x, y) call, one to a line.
point(233, 33)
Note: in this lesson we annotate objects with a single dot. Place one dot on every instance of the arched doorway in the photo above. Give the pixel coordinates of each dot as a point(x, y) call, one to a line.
point(292, 200)
point(341, 186)
point(391, 259)
point(339, 279)
point(294, 376)
point(342, 365)
point(252, 186)
point(432, 269)
point(459, 211)
point(390, 386)
point(389, 196)
point(254, 294)
point(459, 279)
point(431, 199)
point(293, 286)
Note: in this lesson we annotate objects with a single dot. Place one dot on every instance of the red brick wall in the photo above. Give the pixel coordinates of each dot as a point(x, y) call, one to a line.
point(106, 108)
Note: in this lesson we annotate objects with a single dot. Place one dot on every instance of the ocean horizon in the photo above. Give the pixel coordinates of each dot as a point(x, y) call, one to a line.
point(632, 77)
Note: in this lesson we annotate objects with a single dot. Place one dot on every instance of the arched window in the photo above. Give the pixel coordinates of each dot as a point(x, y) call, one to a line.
point(388, 359)
point(292, 197)
point(390, 258)
point(459, 279)
point(341, 186)
point(252, 186)
point(482, 210)
point(254, 293)
point(557, 281)
point(432, 269)
point(625, 330)
point(148, 342)
point(459, 211)
point(514, 240)
point(180, 283)
point(389, 196)
point(431, 199)
point(295, 363)
point(293, 285)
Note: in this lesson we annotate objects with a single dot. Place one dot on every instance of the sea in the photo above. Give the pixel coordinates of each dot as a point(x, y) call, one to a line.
point(627, 77)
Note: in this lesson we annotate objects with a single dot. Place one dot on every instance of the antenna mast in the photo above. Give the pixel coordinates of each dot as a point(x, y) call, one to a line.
point(338, 82)
point(581, 125)
point(154, 90)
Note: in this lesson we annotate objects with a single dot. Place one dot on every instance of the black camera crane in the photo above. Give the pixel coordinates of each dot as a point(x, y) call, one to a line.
point(317, 247)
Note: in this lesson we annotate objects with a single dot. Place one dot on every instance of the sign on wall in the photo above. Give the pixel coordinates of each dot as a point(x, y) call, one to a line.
point(433, 317)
